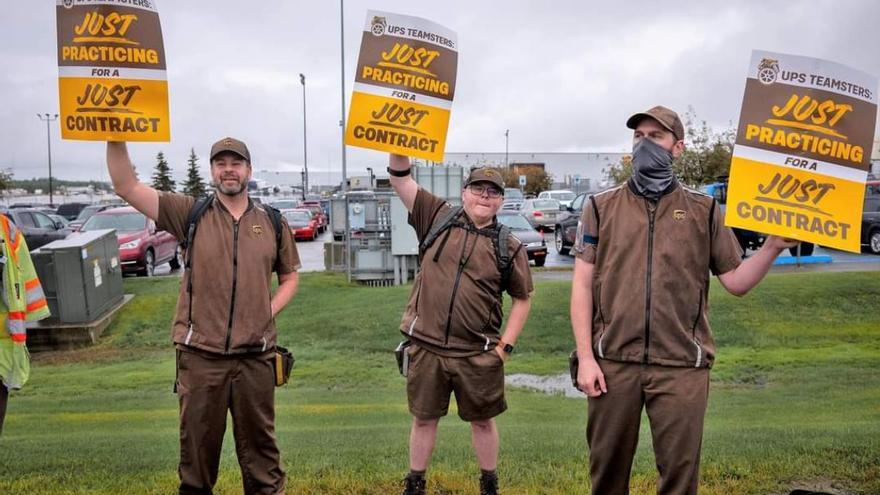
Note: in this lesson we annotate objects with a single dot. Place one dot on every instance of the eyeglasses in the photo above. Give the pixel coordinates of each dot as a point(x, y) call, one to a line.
point(479, 189)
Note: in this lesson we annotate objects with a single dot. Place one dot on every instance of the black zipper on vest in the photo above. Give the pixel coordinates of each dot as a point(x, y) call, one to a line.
point(234, 282)
point(652, 210)
point(462, 261)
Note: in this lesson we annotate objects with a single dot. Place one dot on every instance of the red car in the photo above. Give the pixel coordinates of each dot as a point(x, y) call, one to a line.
point(303, 224)
point(317, 212)
point(141, 247)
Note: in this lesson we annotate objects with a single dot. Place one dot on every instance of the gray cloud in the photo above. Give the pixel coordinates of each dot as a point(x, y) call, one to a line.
point(562, 75)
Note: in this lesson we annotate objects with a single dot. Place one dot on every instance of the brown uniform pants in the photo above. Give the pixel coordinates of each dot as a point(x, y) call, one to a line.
point(675, 399)
point(4, 398)
point(208, 386)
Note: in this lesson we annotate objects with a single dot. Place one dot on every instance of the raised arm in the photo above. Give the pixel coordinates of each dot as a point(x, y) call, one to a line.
point(747, 275)
point(405, 187)
point(142, 197)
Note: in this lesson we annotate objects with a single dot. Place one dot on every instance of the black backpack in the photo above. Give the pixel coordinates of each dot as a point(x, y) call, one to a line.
point(500, 235)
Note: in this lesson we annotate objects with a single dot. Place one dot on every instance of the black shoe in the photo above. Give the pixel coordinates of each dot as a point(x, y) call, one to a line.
point(489, 485)
point(414, 485)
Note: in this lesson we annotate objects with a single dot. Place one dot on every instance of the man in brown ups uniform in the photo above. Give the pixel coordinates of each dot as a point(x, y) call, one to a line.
point(224, 329)
point(639, 310)
point(454, 314)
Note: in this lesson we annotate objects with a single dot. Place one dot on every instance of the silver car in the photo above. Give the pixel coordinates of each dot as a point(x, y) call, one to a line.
point(541, 213)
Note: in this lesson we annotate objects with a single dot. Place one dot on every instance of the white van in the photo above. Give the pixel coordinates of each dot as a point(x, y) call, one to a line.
point(564, 196)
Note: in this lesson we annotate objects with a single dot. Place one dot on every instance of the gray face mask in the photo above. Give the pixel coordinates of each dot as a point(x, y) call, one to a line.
point(652, 168)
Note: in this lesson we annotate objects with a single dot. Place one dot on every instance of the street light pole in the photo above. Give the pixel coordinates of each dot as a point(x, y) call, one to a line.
point(49, 118)
point(302, 80)
point(346, 234)
point(506, 143)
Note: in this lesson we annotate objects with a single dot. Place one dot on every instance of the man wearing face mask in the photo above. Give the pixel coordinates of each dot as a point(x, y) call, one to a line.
point(644, 252)
point(224, 329)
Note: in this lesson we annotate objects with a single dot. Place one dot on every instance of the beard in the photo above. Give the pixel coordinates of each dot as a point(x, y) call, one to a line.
point(231, 190)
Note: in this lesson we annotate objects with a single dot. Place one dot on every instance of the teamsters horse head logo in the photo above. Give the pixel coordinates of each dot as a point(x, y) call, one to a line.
point(377, 27)
point(68, 4)
point(768, 70)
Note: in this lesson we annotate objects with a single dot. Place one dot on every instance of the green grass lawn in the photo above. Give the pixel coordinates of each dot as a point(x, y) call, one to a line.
point(795, 399)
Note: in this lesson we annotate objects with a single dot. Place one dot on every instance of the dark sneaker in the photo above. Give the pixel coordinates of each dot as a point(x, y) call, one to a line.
point(489, 485)
point(414, 485)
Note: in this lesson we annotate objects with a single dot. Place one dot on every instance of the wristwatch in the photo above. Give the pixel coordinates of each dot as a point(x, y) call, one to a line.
point(507, 348)
point(399, 173)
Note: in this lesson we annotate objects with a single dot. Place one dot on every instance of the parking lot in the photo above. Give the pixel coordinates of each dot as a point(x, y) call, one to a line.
point(311, 255)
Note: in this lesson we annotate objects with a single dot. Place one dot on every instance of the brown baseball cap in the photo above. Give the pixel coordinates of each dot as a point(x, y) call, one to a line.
point(664, 116)
point(485, 174)
point(233, 145)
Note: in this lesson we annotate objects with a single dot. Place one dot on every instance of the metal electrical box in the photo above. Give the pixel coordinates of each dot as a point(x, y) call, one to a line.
point(81, 276)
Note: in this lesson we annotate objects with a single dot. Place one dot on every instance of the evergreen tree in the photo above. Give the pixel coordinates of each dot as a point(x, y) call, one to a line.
point(162, 180)
point(194, 185)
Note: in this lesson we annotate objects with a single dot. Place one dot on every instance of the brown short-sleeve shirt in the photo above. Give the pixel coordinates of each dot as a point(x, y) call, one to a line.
point(455, 307)
point(232, 262)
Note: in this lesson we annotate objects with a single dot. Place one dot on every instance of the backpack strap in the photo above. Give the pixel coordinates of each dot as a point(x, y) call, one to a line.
point(441, 224)
point(502, 255)
point(192, 218)
point(192, 221)
point(275, 217)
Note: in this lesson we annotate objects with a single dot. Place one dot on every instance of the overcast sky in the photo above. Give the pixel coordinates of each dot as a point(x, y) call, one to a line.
point(561, 79)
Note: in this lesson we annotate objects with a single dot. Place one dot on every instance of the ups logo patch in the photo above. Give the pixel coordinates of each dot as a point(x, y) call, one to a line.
point(679, 215)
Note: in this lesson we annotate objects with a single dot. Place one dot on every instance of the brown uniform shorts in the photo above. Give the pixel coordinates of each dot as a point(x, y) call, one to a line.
point(477, 382)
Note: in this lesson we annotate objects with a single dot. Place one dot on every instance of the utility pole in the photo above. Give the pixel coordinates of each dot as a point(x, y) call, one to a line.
point(506, 143)
point(302, 80)
point(347, 234)
point(49, 118)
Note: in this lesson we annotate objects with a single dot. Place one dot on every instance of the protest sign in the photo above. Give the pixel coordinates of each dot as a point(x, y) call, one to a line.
point(404, 86)
point(802, 150)
point(111, 71)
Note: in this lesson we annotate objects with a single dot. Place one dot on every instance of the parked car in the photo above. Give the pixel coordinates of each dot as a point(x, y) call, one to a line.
point(564, 196)
point(70, 210)
point(532, 240)
point(141, 247)
point(59, 219)
point(38, 228)
point(303, 224)
point(513, 199)
point(566, 224)
point(871, 217)
point(541, 213)
point(87, 213)
point(317, 212)
point(285, 204)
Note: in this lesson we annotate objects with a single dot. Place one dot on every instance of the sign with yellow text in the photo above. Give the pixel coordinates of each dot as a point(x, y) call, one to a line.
point(802, 150)
point(404, 86)
point(111, 71)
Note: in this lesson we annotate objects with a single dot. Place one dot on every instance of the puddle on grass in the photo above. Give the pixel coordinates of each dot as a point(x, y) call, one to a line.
point(552, 385)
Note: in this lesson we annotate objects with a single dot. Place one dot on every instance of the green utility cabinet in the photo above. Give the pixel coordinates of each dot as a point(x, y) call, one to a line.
point(81, 276)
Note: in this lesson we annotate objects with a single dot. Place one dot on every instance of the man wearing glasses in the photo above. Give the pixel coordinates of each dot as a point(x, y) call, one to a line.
point(454, 314)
